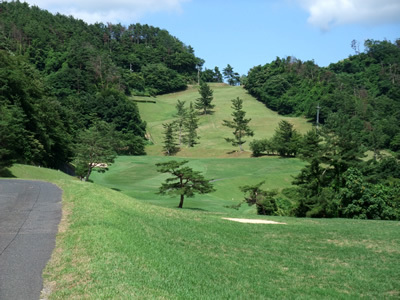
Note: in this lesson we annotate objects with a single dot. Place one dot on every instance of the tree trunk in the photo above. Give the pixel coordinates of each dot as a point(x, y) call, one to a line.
point(181, 202)
point(88, 174)
point(182, 195)
point(180, 135)
point(240, 147)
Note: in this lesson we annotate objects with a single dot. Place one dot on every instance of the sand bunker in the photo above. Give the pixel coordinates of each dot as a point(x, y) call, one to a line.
point(254, 221)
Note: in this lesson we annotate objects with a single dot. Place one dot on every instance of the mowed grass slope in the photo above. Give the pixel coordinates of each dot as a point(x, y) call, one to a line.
point(111, 246)
point(211, 132)
point(138, 178)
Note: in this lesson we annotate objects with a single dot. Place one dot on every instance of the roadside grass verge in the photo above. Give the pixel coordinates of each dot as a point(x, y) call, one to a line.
point(111, 246)
point(137, 177)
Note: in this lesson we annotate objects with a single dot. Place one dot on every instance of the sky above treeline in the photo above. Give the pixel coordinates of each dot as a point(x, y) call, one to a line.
point(248, 33)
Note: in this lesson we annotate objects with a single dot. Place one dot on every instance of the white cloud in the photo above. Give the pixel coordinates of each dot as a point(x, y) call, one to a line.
point(326, 14)
point(123, 11)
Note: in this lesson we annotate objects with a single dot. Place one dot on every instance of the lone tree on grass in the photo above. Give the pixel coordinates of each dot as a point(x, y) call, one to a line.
point(185, 181)
point(239, 124)
point(204, 102)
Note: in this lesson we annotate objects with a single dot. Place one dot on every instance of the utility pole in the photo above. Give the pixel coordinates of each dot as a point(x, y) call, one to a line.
point(318, 108)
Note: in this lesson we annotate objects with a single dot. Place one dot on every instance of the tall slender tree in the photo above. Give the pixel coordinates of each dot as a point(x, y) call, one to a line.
point(170, 145)
point(191, 125)
point(181, 114)
point(239, 124)
point(204, 102)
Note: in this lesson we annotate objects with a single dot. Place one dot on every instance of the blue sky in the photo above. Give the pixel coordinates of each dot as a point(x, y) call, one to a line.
point(253, 32)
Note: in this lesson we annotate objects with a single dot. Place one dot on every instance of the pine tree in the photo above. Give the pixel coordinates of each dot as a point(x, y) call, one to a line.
point(286, 139)
point(239, 124)
point(232, 77)
point(204, 102)
point(182, 116)
point(264, 200)
point(185, 182)
point(170, 145)
point(191, 125)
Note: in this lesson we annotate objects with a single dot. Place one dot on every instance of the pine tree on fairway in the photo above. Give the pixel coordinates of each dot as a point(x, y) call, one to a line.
point(181, 114)
point(170, 145)
point(191, 125)
point(239, 124)
point(185, 182)
point(204, 102)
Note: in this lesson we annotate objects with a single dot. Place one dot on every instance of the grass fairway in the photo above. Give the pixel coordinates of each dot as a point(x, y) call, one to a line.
point(211, 131)
point(111, 246)
point(217, 159)
point(138, 178)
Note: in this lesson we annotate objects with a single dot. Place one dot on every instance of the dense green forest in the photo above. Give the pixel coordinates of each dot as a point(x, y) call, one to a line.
point(60, 76)
point(355, 104)
point(364, 87)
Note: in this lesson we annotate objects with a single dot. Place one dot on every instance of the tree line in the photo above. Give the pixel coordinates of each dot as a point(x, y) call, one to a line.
point(338, 180)
point(364, 87)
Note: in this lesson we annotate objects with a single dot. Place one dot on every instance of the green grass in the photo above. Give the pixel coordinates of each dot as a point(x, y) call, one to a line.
point(211, 131)
point(111, 246)
point(138, 178)
point(31, 172)
point(116, 244)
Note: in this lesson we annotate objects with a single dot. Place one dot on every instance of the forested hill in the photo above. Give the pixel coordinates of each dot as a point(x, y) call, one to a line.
point(60, 76)
point(361, 92)
point(75, 56)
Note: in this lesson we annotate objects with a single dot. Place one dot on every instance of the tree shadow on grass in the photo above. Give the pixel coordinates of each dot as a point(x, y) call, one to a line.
point(194, 208)
point(231, 152)
point(6, 173)
point(209, 113)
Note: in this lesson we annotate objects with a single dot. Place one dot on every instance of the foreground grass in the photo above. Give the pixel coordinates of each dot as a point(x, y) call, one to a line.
point(137, 177)
point(111, 246)
point(212, 144)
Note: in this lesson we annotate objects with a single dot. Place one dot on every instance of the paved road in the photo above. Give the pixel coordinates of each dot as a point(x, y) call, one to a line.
point(30, 212)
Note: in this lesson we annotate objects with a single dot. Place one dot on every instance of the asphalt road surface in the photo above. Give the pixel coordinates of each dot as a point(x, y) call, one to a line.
point(30, 212)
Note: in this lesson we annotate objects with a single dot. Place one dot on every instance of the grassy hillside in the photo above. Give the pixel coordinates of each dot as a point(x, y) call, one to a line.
point(111, 246)
point(214, 157)
point(211, 131)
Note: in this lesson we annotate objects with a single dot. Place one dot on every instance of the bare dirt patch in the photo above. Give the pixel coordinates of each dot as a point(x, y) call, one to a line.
point(253, 221)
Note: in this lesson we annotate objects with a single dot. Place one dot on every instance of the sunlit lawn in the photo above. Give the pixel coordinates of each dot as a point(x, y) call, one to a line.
point(138, 178)
point(211, 131)
point(111, 246)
